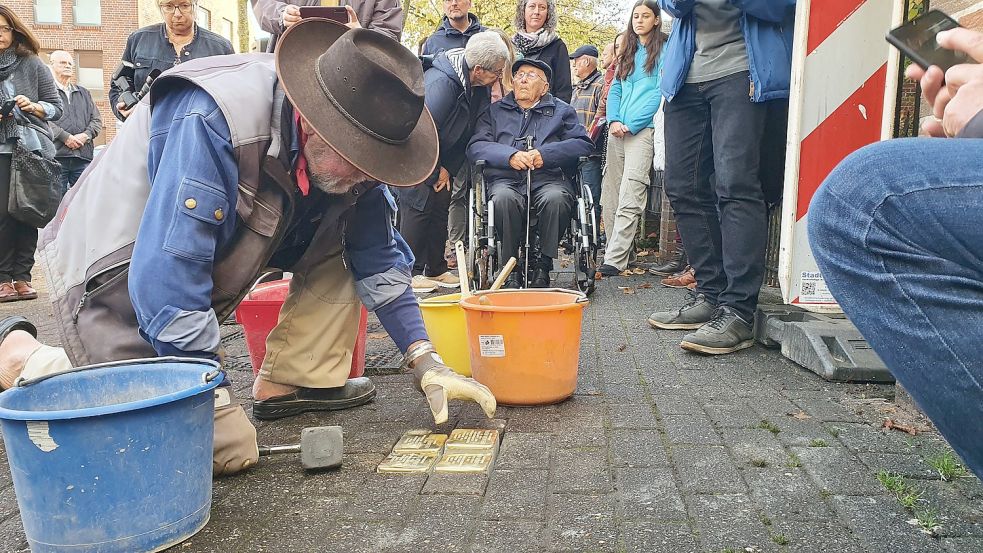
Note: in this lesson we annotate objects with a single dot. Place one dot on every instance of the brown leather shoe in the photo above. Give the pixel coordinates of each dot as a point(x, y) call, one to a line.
point(24, 290)
point(682, 280)
point(8, 292)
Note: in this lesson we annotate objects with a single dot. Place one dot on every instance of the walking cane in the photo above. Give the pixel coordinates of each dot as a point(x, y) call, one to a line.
point(525, 276)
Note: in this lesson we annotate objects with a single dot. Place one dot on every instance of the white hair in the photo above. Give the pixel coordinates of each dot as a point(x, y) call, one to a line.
point(486, 49)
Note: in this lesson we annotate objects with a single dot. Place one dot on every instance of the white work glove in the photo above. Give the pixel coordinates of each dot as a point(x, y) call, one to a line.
point(235, 448)
point(440, 384)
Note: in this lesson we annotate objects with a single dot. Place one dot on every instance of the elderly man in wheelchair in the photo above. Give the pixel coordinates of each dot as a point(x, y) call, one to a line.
point(526, 146)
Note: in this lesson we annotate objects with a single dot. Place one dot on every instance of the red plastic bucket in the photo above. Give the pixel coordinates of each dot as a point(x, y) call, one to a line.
point(258, 313)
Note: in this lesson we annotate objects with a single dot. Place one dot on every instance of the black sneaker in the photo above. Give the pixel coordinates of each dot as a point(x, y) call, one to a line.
point(726, 332)
point(355, 392)
point(541, 278)
point(691, 315)
point(608, 270)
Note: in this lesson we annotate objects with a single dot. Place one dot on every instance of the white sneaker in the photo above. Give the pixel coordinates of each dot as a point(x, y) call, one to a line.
point(446, 280)
point(422, 284)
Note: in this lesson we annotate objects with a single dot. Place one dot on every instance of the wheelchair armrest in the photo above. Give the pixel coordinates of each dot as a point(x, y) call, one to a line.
point(480, 164)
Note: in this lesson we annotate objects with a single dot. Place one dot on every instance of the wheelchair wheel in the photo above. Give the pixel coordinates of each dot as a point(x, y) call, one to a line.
point(584, 235)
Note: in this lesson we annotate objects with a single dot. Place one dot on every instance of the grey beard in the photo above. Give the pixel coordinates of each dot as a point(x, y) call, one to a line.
point(332, 184)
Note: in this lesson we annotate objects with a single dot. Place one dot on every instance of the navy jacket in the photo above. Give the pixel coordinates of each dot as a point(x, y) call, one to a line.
point(555, 54)
point(454, 106)
point(556, 130)
point(446, 37)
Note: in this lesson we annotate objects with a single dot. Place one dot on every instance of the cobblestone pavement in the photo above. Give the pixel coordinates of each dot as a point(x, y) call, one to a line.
point(658, 451)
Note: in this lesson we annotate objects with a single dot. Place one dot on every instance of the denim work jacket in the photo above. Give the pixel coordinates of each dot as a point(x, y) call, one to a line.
point(149, 48)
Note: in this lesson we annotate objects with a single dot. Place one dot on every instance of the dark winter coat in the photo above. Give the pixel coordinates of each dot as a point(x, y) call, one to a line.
point(556, 55)
point(454, 106)
point(80, 115)
point(446, 37)
point(556, 131)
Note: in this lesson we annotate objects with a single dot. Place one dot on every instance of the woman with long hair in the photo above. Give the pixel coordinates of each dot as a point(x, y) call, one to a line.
point(634, 99)
point(502, 88)
point(535, 37)
point(28, 89)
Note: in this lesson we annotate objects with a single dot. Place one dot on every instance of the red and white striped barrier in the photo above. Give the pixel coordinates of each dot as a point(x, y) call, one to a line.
point(842, 98)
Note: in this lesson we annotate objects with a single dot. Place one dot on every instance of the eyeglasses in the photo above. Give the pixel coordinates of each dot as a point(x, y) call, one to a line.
point(524, 76)
point(498, 73)
point(171, 8)
point(6, 29)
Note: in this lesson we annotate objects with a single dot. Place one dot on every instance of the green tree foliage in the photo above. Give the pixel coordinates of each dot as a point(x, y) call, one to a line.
point(581, 21)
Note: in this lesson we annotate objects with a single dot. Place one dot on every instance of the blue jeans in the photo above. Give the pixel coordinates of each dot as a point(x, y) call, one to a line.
point(896, 230)
point(71, 170)
point(713, 150)
point(590, 174)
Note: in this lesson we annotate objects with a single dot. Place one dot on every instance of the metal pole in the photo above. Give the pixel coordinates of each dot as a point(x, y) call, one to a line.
point(525, 277)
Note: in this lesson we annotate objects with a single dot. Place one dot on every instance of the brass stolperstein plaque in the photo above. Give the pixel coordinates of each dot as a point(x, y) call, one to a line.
point(468, 440)
point(420, 441)
point(407, 463)
point(464, 462)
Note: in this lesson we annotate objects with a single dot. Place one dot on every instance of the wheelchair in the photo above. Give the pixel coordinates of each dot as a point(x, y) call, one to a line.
point(579, 239)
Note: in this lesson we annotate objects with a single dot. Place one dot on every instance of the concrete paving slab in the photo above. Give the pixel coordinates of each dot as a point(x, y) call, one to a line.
point(652, 537)
point(730, 522)
point(516, 494)
point(650, 494)
point(638, 448)
point(706, 469)
point(495, 536)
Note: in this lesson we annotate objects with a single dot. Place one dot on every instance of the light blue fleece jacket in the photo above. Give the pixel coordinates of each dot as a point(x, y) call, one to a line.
point(634, 101)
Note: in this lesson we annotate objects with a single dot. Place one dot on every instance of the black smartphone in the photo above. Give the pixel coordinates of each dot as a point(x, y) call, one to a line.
point(335, 13)
point(7, 107)
point(916, 39)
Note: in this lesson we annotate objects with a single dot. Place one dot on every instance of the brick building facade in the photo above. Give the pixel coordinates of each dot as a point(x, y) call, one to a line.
point(95, 32)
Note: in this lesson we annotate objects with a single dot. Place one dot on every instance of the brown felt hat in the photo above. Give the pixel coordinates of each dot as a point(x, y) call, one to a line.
point(363, 94)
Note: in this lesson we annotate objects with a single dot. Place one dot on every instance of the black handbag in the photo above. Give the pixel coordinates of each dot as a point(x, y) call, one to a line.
point(35, 187)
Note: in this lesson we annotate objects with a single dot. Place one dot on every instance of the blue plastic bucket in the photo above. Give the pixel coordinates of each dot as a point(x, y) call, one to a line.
point(113, 457)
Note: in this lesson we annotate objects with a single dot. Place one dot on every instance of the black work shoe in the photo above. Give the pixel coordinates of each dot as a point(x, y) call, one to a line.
point(16, 322)
point(512, 282)
point(608, 270)
point(541, 278)
point(675, 264)
point(693, 314)
point(726, 332)
point(355, 392)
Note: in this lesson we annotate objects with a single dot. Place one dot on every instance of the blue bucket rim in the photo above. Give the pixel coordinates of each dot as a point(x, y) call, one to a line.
point(18, 415)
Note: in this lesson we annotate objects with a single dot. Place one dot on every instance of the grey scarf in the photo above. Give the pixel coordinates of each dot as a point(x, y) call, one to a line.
point(9, 60)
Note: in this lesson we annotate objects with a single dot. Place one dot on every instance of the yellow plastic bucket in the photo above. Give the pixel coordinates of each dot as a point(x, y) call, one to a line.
point(445, 324)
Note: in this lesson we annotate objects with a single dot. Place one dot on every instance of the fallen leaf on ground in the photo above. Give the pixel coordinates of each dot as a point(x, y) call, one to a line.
point(377, 335)
point(801, 415)
point(643, 253)
point(622, 347)
point(564, 264)
point(598, 276)
point(653, 235)
point(626, 289)
point(891, 425)
point(626, 272)
point(645, 285)
point(638, 271)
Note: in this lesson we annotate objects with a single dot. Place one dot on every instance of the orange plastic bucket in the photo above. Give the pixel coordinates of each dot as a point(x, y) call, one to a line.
point(525, 344)
point(258, 313)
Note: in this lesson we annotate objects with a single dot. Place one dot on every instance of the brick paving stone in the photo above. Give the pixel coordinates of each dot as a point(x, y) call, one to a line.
point(879, 524)
point(911, 466)
point(675, 404)
point(580, 471)
point(516, 494)
point(582, 523)
point(518, 536)
point(816, 536)
point(963, 545)
point(706, 469)
point(823, 405)
point(754, 447)
point(691, 429)
point(455, 484)
point(655, 537)
point(649, 494)
point(12, 535)
point(729, 522)
point(864, 438)
point(523, 450)
point(528, 419)
point(959, 518)
point(770, 403)
point(738, 414)
point(628, 415)
point(795, 432)
point(580, 412)
point(637, 448)
point(387, 497)
point(786, 494)
point(441, 524)
point(8, 502)
point(836, 470)
point(373, 438)
point(627, 393)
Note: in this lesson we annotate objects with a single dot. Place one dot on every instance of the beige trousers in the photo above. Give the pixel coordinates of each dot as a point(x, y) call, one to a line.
point(311, 345)
point(623, 192)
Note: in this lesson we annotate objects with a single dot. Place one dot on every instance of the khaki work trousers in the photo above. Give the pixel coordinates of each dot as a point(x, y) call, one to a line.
point(623, 193)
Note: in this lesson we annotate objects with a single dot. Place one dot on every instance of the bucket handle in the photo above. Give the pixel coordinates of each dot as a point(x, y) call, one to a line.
point(581, 297)
point(22, 382)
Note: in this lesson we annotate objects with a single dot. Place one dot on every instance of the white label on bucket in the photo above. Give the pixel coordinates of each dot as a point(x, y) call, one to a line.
point(37, 431)
point(491, 345)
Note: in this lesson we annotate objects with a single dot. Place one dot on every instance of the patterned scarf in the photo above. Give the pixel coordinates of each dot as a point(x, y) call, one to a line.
point(531, 42)
point(9, 60)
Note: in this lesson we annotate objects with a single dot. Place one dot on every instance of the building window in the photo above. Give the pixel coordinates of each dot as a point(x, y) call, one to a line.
point(88, 12)
point(226, 30)
point(47, 11)
point(204, 17)
point(89, 73)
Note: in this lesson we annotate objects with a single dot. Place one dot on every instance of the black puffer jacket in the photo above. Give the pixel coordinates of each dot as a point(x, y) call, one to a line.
point(446, 37)
point(556, 55)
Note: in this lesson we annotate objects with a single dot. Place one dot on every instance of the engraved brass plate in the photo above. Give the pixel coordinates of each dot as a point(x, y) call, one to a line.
point(470, 440)
point(407, 463)
point(464, 462)
point(420, 441)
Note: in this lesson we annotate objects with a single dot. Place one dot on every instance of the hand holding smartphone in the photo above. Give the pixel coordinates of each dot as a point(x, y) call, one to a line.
point(916, 39)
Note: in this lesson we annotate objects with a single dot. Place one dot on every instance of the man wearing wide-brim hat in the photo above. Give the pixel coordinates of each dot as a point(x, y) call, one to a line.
point(234, 165)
